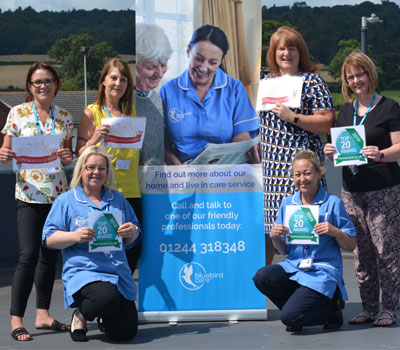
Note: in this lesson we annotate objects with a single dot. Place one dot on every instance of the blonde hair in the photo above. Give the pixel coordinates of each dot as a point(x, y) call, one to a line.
point(358, 59)
point(126, 72)
point(312, 158)
point(77, 176)
point(291, 38)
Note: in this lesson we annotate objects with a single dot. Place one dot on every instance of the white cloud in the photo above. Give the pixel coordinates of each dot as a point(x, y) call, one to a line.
point(59, 5)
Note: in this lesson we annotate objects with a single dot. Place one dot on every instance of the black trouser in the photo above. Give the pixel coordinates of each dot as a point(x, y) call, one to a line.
point(30, 221)
point(119, 315)
point(133, 254)
point(299, 305)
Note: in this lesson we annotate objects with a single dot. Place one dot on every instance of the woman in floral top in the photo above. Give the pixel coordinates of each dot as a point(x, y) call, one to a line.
point(35, 190)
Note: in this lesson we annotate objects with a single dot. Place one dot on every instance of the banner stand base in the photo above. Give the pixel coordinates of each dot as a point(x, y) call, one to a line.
point(173, 317)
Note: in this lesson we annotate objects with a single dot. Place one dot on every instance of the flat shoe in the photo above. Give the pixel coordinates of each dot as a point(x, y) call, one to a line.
point(390, 316)
point(293, 329)
point(56, 326)
point(78, 335)
point(365, 317)
point(18, 332)
point(100, 325)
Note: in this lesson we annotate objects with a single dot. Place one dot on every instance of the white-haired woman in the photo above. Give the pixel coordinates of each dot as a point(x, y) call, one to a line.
point(99, 285)
point(153, 51)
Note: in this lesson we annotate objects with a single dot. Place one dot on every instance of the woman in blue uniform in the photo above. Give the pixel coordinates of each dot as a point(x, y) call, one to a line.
point(308, 286)
point(204, 104)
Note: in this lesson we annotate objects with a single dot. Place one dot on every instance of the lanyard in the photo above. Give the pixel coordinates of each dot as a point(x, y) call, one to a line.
point(306, 248)
point(53, 128)
point(108, 113)
point(365, 115)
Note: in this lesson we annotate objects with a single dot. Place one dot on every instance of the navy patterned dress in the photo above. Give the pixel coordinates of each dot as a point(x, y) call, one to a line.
point(280, 141)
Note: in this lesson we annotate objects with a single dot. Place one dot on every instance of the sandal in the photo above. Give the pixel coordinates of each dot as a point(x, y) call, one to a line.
point(363, 317)
point(56, 326)
point(17, 332)
point(390, 316)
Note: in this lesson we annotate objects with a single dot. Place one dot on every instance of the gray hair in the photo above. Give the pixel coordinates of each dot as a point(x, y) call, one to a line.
point(152, 44)
point(77, 176)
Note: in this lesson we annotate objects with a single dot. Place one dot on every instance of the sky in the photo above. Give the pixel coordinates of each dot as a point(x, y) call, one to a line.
point(312, 3)
point(59, 5)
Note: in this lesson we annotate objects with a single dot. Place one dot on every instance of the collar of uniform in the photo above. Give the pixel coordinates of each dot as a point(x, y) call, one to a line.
point(319, 198)
point(220, 80)
point(106, 196)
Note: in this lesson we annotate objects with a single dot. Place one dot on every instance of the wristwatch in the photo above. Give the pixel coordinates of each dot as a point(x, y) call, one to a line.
point(381, 156)
point(296, 119)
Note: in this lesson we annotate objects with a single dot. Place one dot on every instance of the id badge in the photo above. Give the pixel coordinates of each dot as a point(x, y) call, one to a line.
point(122, 164)
point(305, 263)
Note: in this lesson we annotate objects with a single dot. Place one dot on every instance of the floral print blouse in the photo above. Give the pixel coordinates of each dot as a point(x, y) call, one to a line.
point(38, 185)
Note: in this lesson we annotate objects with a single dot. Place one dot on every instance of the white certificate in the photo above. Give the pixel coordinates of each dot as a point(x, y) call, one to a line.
point(301, 220)
point(105, 225)
point(125, 132)
point(286, 90)
point(36, 152)
point(349, 141)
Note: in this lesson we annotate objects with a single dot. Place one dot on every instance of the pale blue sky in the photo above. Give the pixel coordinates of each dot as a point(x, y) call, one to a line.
point(59, 5)
point(313, 3)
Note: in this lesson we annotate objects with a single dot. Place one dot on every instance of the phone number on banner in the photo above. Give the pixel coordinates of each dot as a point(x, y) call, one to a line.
point(205, 248)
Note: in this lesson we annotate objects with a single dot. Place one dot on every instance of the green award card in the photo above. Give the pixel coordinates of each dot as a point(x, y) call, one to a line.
point(349, 141)
point(105, 225)
point(301, 220)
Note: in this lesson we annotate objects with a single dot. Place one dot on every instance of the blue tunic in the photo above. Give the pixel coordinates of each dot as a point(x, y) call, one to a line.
point(326, 271)
point(69, 212)
point(191, 124)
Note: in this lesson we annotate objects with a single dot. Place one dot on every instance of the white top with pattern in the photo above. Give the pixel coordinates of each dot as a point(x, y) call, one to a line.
point(37, 185)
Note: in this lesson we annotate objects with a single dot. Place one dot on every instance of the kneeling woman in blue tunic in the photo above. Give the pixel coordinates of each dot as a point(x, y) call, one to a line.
point(99, 284)
point(308, 286)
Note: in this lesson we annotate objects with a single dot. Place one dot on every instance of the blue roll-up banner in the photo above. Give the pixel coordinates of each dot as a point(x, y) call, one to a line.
point(203, 242)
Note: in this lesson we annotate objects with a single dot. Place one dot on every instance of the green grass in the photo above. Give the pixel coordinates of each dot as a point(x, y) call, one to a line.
point(338, 98)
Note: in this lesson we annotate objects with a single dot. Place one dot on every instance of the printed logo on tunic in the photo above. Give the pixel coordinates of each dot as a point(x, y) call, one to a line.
point(80, 221)
point(175, 115)
point(193, 276)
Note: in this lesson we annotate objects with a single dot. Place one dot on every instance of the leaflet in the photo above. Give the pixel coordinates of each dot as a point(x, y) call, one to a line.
point(36, 152)
point(226, 153)
point(286, 90)
point(125, 132)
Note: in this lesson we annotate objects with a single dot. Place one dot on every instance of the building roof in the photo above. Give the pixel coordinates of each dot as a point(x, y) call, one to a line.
point(72, 101)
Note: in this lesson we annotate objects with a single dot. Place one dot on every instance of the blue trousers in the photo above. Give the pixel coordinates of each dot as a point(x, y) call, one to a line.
point(300, 306)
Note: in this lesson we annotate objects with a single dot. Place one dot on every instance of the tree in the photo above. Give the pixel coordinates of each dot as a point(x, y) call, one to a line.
point(69, 54)
point(390, 64)
point(345, 47)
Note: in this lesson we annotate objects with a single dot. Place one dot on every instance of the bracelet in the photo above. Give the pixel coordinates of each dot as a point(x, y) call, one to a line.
point(296, 119)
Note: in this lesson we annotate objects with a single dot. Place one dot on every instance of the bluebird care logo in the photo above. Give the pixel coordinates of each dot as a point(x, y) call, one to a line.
point(175, 115)
point(193, 276)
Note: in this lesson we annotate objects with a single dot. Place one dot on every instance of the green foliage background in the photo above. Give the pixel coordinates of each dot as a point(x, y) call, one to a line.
point(25, 31)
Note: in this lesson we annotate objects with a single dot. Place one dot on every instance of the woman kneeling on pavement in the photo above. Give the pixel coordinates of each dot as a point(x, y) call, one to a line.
point(308, 286)
point(98, 283)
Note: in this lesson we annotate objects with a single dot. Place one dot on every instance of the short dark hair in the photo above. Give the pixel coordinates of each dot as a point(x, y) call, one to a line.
point(35, 67)
point(213, 34)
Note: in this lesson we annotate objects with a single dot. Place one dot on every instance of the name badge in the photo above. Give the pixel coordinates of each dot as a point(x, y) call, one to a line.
point(305, 263)
point(122, 164)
